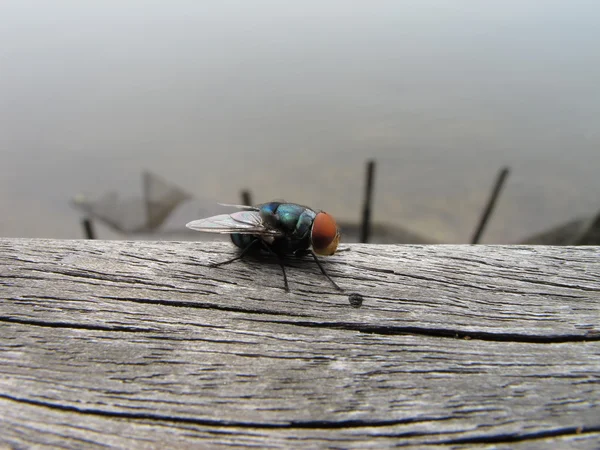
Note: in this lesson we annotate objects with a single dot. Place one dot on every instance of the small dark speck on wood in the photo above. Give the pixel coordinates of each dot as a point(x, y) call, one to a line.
point(355, 299)
point(141, 345)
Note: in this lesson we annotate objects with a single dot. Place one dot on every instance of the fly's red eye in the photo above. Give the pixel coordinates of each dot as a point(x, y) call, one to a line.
point(325, 235)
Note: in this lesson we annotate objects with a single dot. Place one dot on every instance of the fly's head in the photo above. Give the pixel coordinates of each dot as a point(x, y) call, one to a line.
point(325, 235)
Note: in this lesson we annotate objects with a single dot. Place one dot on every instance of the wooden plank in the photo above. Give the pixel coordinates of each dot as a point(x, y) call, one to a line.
point(139, 344)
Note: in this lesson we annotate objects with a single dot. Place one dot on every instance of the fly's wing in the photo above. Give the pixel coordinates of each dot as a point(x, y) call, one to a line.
point(242, 222)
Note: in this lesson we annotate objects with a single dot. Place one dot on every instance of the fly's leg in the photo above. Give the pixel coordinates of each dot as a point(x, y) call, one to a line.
point(285, 282)
point(280, 261)
point(323, 270)
point(240, 256)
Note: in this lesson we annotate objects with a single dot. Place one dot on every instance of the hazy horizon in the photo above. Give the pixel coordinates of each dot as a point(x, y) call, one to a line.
point(290, 99)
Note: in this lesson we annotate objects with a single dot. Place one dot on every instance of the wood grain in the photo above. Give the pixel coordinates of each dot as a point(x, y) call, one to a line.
point(141, 345)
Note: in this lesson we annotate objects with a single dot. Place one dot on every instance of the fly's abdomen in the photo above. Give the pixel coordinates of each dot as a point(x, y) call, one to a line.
point(242, 240)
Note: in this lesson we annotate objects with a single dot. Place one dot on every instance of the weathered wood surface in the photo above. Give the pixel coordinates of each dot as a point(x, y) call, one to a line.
point(140, 345)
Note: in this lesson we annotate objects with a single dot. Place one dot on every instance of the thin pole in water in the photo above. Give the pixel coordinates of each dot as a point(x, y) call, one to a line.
point(88, 228)
point(487, 212)
point(246, 198)
point(366, 215)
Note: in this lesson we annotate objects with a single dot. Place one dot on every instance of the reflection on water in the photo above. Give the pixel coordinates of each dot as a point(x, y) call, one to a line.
point(290, 100)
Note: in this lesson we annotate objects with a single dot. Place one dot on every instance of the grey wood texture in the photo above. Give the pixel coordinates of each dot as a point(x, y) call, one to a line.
point(141, 345)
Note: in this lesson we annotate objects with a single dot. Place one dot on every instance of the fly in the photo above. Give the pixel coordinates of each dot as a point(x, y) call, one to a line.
point(280, 229)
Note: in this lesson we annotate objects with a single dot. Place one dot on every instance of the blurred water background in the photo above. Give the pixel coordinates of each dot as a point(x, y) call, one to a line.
point(289, 99)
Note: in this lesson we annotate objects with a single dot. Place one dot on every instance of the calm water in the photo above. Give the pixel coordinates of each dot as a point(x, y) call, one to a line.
point(289, 99)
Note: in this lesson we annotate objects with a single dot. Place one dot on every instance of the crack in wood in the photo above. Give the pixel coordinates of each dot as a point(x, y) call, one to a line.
point(507, 438)
point(202, 305)
point(444, 333)
point(482, 439)
point(312, 424)
point(77, 326)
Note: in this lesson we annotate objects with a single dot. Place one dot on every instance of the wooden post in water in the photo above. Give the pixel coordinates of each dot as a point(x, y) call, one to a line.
point(246, 198)
point(366, 213)
point(88, 228)
point(487, 212)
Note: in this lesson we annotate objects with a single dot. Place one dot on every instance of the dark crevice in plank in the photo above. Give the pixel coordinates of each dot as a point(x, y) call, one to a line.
point(199, 305)
point(81, 326)
point(446, 333)
point(373, 329)
point(505, 438)
point(22, 277)
point(312, 424)
point(432, 332)
point(512, 438)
